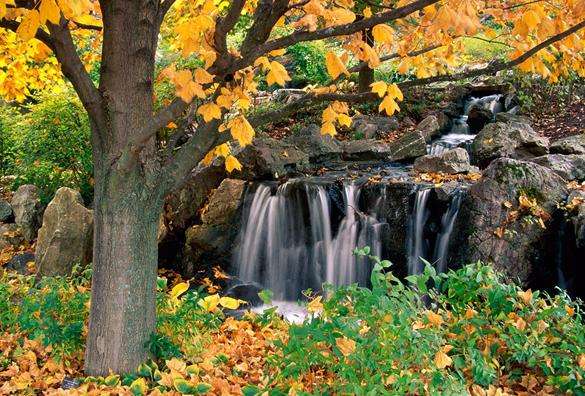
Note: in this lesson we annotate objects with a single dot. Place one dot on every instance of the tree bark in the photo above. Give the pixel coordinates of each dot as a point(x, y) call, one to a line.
point(122, 315)
point(366, 73)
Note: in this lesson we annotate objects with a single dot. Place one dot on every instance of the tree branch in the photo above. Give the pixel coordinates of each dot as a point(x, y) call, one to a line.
point(41, 35)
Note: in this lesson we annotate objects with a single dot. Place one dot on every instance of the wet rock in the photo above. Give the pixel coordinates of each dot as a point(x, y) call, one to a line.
point(66, 237)
point(366, 150)
point(445, 191)
point(224, 202)
point(478, 117)
point(409, 146)
point(20, 263)
point(6, 215)
point(320, 148)
point(576, 201)
point(451, 161)
point(28, 210)
point(569, 167)
point(10, 235)
point(513, 139)
point(516, 246)
point(429, 127)
point(569, 145)
point(269, 158)
point(373, 126)
point(247, 292)
point(511, 101)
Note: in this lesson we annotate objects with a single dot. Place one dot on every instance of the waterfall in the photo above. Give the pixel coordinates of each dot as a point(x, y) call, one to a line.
point(459, 135)
point(416, 242)
point(287, 242)
point(447, 222)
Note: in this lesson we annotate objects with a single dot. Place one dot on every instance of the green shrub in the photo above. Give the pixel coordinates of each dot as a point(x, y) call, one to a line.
point(47, 144)
point(308, 60)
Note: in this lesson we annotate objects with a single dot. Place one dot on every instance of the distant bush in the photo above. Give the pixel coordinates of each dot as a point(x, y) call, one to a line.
point(308, 60)
point(47, 143)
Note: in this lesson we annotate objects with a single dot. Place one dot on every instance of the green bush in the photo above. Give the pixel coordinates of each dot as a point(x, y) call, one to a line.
point(308, 60)
point(47, 143)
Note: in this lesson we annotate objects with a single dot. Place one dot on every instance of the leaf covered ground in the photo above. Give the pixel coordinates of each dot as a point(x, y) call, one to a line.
point(465, 332)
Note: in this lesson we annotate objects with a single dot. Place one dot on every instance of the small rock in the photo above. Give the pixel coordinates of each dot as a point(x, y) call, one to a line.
point(247, 292)
point(429, 127)
point(478, 117)
point(66, 237)
point(19, 263)
point(28, 210)
point(451, 161)
point(10, 235)
point(409, 146)
point(569, 145)
point(373, 127)
point(365, 150)
point(6, 215)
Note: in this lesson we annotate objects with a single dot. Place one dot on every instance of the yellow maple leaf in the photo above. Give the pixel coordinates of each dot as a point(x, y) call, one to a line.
point(178, 289)
point(395, 92)
point(328, 129)
point(202, 76)
point(277, 74)
point(379, 87)
point(29, 25)
point(442, 360)
point(231, 164)
point(209, 111)
point(345, 345)
point(209, 303)
point(49, 11)
point(335, 66)
point(315, 306)
point(388, 105)
point(241, 130)
point(434, 319)
point(383, 33)
point(526, 296)
point(230, 303)
point(344, 119)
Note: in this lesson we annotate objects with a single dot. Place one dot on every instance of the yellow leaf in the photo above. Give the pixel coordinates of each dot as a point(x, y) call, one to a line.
point(345, 345)
point(581, 361)
point(139, 387)
point(241, 130)
point(209, 111)
point(49, 11)
point(383, 33)
point(335, 66)
point(395, 92)
point(223, 150)
point(229, 303)
point(209, 303)
point(277, 74)
point(231, 164)
point(179, 289)
point(379, 87)
point(434, 319)
point(29, 25)
point(442, 360)
point(202, 76)
point(388, 105)
point(526, 296)
point(367, 12)
point(344, 119)
point(315, 306)
point(328, 129)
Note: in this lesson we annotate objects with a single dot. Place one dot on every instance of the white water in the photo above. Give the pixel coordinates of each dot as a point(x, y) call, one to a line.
point(459, 135)
point(416, 248)
point(447, 222)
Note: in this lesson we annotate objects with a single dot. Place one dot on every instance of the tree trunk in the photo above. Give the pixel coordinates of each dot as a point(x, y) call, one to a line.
point(366, 74)
point(123, 316)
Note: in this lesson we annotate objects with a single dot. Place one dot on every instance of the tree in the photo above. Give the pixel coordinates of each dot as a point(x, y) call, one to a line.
point(133, 175)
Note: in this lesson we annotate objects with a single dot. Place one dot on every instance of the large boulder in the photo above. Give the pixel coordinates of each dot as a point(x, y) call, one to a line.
point(429, 127)
point(576, 205)
point(6, 214)
point(366, 150)
point(10, 235)
point(569, 145)
point(66, 237)
point(514, 140)
point(409, 146)
point(478, 117)
point(320, 148)
point(28, 210)
point(498, 225)
point(569, 167)
point(269, 158)
point(450, 161)
point(373, 126)
point(211, 241)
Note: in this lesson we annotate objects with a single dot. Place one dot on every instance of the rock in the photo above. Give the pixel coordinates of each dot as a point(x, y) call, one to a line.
point(569, 145)
point(247, 292)
point(577, 216)
point(28, 210)
point(373, 126)
point(569, 167)
point(516, 246)
point(6, 215)
point(224, 202)
point(451, 161)
point(66, 237)
point(287, 95)
point(409, 146)
point(20, 263)
point(509, 117)
point(10, 235)
point(320, 148)
point(514, 140)
point(478, 117)
point(268, 158)
point(445, 191)
point(429, 127)
point(511, 101)
point(365, 150)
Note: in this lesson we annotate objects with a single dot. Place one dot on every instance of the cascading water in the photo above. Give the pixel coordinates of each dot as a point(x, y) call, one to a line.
point(459, 135)
point(288, 244)
point(419, 247)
